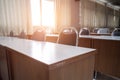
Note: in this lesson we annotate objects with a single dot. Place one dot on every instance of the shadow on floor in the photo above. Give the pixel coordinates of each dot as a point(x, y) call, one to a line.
point(105, 77)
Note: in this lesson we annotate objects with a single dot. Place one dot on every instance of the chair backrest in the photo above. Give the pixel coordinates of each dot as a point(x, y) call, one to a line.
point(95, 30)
point(84, 31)
point(116, 32)
point(103, 30)
point(11, 34)
point(23, 35)
point(68, 36)
point(39, 35)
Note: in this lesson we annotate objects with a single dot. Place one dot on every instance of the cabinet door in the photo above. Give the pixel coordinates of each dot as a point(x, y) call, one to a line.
point(3, 64)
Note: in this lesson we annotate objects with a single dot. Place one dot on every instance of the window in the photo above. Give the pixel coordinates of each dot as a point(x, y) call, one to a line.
point(43, 13)
point(48, 13)
point(35, 10)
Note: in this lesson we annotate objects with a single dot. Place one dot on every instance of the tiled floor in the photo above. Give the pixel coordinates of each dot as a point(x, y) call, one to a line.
point(105, 77)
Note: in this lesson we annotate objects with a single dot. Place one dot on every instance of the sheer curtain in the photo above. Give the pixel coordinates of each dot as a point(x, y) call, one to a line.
point(15, 15)
point(56, 14)
point(100, 15)
point(63, 14)
point(93, 14)
point(113, 18)
point(87, 13)
point(116, 18)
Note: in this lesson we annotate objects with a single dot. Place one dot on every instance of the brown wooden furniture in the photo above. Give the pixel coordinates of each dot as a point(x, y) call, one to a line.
point(33, 60)
point(85, 42)
point(4, 75)
point(51, 37)
point(23, 35)
point(108, 53)
point(24, 68)
point(39, 35)
point(54, 37)
point(108, 57)
point(68, 36)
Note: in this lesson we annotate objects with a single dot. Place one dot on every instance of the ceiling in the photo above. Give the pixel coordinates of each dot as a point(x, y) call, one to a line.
point(114, 2)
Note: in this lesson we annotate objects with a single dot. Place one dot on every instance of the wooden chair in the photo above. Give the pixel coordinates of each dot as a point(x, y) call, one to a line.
point(84, 31)
point(68, 36)
point(116, 32)
point(39, 35)
point(11, 34)
point(103, 30)
point(23, 35)
point(95, 30)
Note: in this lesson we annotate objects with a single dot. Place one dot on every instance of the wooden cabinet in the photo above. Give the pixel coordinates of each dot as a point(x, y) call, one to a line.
point(4, 75)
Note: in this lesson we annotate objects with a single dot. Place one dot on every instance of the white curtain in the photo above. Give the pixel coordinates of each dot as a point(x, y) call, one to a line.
point(100, 16)
point(87, 13)
point(15, 15)
point(93, 14)
point(113, 18)
point(63, 13)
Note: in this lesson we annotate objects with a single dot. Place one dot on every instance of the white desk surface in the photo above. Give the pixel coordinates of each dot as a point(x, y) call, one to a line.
point(53, 35)
point(117, 38)
point(46, 52)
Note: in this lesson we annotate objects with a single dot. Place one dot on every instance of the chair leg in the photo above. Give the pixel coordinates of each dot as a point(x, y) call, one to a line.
point(95, 74)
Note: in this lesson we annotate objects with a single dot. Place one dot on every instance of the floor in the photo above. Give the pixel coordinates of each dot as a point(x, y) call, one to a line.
point(105, 77)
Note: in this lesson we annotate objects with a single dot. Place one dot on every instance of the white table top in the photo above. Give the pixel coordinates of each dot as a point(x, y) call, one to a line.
point(53, 35)
point(46, 52)
point(117, 38)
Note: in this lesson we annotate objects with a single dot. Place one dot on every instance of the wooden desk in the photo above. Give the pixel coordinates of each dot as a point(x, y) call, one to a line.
point(52, 37)
point(33, 60)
point(107, 60)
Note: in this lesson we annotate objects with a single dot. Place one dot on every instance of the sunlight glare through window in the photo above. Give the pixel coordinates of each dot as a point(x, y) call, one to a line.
point(43, 13)
point(35, 10)
point(48, 13)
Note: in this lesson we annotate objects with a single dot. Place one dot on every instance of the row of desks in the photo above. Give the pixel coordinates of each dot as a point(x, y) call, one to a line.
point(54, 37)
point(108, 51)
